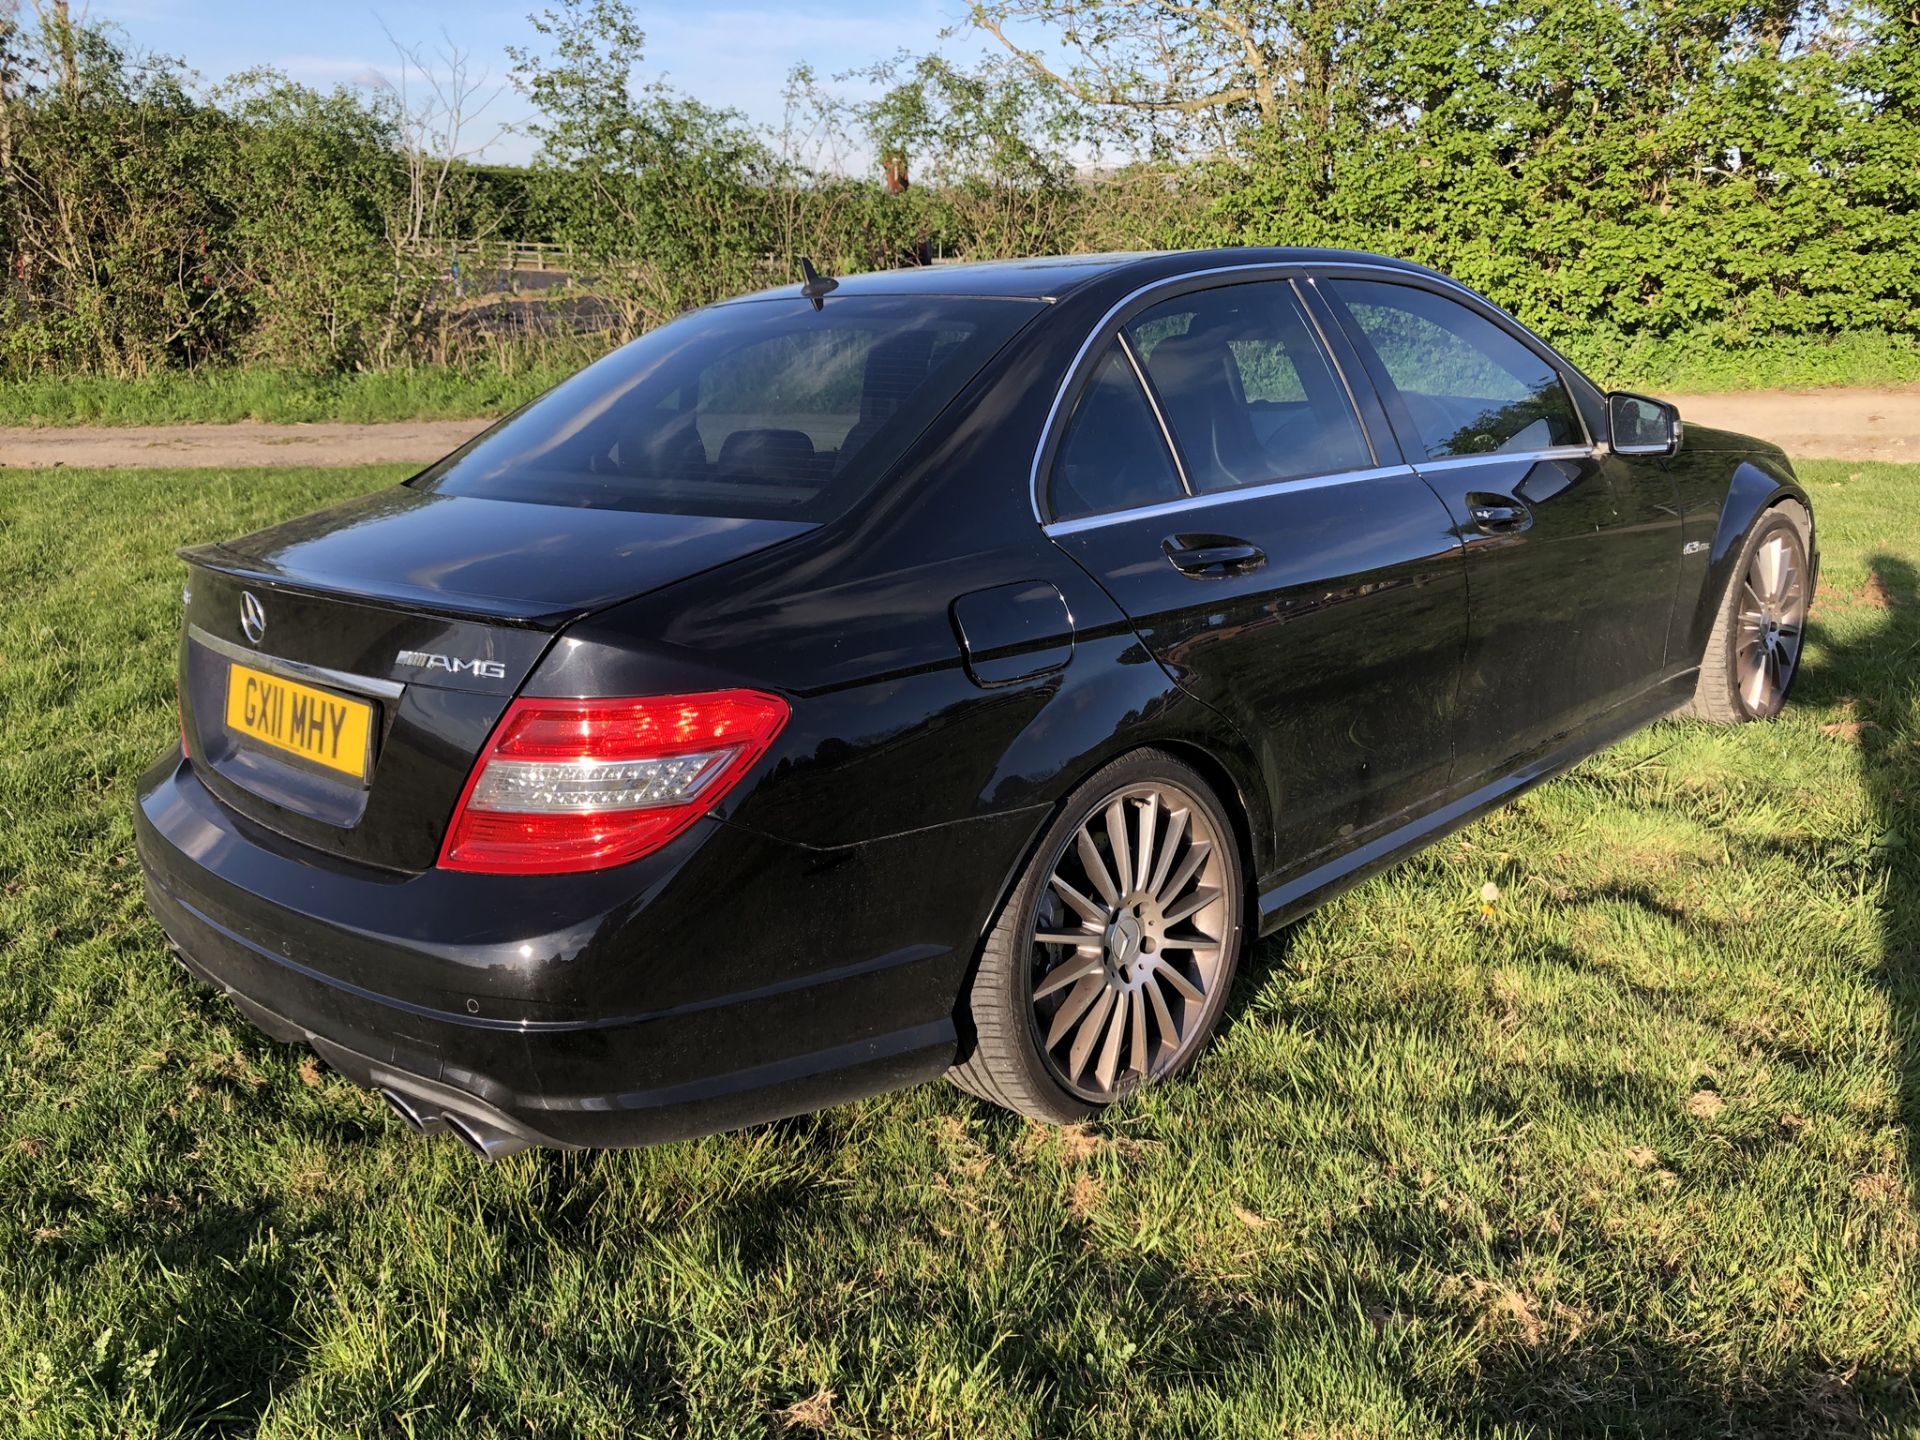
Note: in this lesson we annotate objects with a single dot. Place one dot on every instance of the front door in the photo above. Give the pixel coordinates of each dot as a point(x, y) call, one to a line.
point(1309, 590)
point(1572, 554)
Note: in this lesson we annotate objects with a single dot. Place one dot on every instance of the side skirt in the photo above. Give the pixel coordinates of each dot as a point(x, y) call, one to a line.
point(1290, 899)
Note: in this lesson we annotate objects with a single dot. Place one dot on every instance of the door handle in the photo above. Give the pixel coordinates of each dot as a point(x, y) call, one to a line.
point(1498, 514)
point(1212, 556)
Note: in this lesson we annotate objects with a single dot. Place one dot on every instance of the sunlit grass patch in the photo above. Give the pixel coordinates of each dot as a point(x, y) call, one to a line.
point(1625, 1148)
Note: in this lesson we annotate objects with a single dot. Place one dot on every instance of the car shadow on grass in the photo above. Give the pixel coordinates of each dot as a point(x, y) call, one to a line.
point(1870, 673)
point(212, 1339)
point(1657, 1380)
point(1876, 677)
point(1066, 1335)
point(1880, 672)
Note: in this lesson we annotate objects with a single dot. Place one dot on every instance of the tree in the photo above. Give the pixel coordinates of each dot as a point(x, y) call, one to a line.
point(437, 101)
point(667, 196)
point(1203, 75)
point(991, 147)
point(318, 211)
point(104, 213)
point(1730, 170)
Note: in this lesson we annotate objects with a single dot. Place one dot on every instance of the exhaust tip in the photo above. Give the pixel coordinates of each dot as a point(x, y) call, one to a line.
point(419, 1121)
point(486, 1141)
point(489, 1142)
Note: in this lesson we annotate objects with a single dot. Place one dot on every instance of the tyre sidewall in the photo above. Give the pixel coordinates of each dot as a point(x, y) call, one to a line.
point(1137, 768)
point(1792, 519)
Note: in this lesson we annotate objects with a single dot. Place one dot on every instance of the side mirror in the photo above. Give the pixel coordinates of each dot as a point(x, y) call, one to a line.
point(1641, 425)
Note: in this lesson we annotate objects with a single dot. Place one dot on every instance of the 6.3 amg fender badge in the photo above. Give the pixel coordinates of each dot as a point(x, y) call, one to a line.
point(425, 660)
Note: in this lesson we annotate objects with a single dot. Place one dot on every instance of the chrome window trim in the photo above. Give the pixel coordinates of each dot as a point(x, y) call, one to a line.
point(296, 669)
point(1552, 452)
point(1222, 497)
point(1094, 333)
point(1340, 371)
point(1280, 270)
point(1153, 404)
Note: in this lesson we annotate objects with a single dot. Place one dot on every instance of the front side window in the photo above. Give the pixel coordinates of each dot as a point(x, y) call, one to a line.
point(1113, 456)
point(760, 409)
point(1469, 387)
point(1247, 391)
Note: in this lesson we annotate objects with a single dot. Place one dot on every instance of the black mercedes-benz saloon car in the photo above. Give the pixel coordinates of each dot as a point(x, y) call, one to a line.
point(947, 670)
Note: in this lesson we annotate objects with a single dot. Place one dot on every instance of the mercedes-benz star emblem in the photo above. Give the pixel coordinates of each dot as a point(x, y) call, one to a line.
point(253, 616)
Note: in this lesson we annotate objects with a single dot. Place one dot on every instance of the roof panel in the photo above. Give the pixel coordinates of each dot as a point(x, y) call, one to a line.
point(1050, 277)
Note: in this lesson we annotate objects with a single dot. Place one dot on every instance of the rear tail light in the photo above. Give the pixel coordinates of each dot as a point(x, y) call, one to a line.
point(585, 784)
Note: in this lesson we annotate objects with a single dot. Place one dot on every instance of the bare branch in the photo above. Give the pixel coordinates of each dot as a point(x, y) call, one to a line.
point(1113, 94)
point(435, 126)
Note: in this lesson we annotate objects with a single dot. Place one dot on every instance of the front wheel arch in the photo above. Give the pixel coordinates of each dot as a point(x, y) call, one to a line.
point(1758, 484)
point(1746, 627)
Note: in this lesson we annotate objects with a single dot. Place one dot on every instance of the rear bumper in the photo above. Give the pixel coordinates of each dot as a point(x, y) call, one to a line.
point(689, 993)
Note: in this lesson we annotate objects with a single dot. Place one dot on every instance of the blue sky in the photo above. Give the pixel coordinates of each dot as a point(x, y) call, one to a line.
point(735, 52)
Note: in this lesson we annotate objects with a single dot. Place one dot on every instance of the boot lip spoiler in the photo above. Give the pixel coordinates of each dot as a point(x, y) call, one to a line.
point(496, 610)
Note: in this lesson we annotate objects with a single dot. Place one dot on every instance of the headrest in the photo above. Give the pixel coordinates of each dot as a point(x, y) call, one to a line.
point(1180, 363)
point(768, 454)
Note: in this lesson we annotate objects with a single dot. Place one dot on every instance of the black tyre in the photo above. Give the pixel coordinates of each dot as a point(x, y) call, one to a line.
point(1111, 959)
point(1753, 654)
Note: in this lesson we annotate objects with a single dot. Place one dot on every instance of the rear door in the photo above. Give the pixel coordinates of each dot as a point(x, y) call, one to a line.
point(1571, 555)
point(1215, 475)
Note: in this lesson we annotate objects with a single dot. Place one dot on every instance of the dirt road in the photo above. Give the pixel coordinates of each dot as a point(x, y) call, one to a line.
point(244, 444)
point(1815, 424)
point(1832, 424)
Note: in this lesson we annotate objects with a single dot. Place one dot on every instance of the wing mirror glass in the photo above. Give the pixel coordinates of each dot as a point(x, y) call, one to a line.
point(1642, 425)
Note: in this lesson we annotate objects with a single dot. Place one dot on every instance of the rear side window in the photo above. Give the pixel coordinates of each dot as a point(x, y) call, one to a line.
point(760, 409)
point(1113, 456)
point(1247, 391)
point(1469, 386)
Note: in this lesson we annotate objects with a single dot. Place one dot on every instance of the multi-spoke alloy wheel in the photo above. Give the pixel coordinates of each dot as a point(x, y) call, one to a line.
point(1773, 615)
point(1109, 964)
point(1130, 935)
point(1754, 652)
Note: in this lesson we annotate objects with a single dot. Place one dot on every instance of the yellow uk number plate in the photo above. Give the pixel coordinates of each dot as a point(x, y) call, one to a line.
point(297, 719)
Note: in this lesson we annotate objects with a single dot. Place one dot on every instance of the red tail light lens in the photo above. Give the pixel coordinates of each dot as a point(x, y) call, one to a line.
point(570, 785)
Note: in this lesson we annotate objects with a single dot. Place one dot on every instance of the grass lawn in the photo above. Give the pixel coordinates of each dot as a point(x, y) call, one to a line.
point(1631, 1149)
point(418, 392)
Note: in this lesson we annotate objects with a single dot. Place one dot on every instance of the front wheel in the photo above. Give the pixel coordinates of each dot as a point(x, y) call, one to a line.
point(1111, 959)
point(1754, 652)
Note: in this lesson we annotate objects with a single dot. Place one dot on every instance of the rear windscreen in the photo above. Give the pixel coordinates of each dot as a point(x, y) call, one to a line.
point(760, 409)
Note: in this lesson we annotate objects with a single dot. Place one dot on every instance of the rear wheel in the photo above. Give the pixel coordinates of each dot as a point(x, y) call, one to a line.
point(1754, 652)
point(1112, 957)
